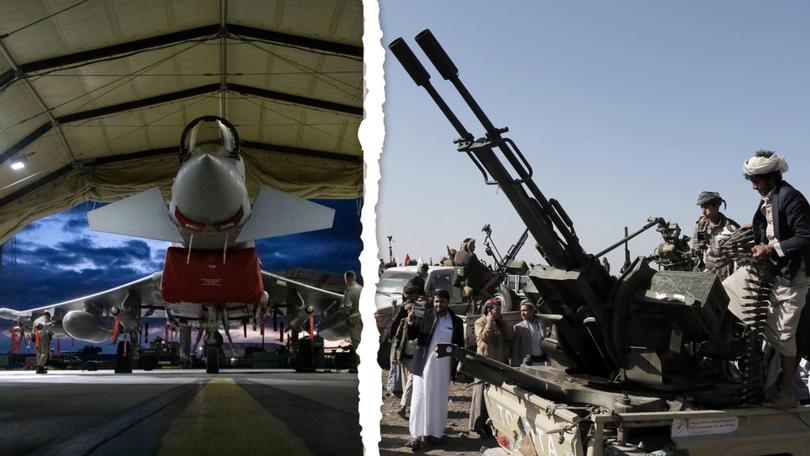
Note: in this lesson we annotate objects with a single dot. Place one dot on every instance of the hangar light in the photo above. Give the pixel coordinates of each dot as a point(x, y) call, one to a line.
point(17, 165)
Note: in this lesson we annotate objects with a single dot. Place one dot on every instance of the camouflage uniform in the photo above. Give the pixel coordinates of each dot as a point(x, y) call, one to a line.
point(706, 242)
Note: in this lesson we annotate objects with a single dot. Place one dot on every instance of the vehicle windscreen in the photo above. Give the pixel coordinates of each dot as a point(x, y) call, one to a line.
point(441, 280)
point(392, 282)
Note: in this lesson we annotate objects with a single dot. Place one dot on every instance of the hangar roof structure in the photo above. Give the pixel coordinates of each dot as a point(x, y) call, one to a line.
point(94, 95)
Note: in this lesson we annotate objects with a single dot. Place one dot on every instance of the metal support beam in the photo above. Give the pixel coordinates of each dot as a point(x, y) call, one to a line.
point(40, 102)
point(173, 96)
point(118, 49)
point(301, 151)
point(297, 99)
point(37, 184)
point(135, 104)
point(298, 41)
point(28, 139)
point(212, 30)
point(223, 59)
point(166, 151)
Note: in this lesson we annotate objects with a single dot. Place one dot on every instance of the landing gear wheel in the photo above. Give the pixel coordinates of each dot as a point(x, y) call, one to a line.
point(123, 358)
point(304, 358)
point(212, 360)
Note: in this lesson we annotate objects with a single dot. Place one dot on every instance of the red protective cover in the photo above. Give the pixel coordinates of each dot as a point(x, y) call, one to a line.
point(203, 278)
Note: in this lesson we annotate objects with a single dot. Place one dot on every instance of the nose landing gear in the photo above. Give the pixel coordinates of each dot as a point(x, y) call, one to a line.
point(213, 346)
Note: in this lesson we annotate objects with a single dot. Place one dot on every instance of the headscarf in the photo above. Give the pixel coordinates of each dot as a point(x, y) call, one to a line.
point(465, 244)
point(706, 198)
point(758, 165)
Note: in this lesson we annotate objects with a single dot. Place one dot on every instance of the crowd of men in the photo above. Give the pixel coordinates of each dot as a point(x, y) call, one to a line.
point(424, 379)
point(781, 229)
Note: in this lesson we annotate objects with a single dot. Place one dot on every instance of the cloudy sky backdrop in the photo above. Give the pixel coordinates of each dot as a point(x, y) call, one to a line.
point(58, 258)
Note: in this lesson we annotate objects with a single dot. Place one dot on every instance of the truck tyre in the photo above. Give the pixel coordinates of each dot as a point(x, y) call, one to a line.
point(509, 298)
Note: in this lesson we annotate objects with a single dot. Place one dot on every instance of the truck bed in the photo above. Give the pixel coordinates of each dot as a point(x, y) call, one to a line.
point(527, 423)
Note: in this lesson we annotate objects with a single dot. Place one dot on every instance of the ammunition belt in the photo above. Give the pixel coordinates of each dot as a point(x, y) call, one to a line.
point(755, 310)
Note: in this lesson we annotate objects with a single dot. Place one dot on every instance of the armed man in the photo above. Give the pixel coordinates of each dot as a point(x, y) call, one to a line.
point(402, 348)
point(480, 279)
point(712, 228)
point(432, 375)
point(42, 341)
point(781, 229)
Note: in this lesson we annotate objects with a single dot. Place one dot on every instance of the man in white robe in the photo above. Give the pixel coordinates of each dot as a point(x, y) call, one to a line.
point(432, 375)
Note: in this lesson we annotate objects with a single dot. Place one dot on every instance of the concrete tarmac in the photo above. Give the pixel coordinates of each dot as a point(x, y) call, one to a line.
point(175, 412)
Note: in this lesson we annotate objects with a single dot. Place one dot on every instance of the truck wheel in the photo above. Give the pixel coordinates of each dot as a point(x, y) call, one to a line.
point(212, 360)
point(509, 298)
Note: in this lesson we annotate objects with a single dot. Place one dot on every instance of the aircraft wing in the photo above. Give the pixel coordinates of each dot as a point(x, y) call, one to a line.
point(300, 287)
point(276, 213)
point(143, 215)
point(92, 308)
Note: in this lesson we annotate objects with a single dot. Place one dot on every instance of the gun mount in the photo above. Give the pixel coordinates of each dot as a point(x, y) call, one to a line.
point(668, 330)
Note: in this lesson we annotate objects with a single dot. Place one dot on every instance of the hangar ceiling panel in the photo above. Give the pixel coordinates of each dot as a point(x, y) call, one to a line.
point(331, 78)
point(338, 21)
point(137, 130)
point(94, 23)
point(94, 94)
point(19, 114)
point(142, 75)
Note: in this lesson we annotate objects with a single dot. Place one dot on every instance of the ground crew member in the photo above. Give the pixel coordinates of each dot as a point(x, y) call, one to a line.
point(351, 304)
point(712, 228)
point(42, 340)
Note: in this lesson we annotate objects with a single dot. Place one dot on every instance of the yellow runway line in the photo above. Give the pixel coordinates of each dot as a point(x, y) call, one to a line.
point(224, 419)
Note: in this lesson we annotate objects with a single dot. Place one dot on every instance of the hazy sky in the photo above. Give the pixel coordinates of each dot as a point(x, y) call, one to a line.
point(625, 110)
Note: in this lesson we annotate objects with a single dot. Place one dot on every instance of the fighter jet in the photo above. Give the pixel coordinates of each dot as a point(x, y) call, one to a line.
point(212, 277)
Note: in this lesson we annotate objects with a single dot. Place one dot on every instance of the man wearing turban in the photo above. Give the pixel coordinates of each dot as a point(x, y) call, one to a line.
point(781, 229)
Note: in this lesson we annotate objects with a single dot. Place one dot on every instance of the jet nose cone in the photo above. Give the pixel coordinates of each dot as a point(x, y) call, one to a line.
point(208, 188)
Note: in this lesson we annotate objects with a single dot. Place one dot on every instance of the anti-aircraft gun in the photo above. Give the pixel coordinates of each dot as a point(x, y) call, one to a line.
point(664, 333)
